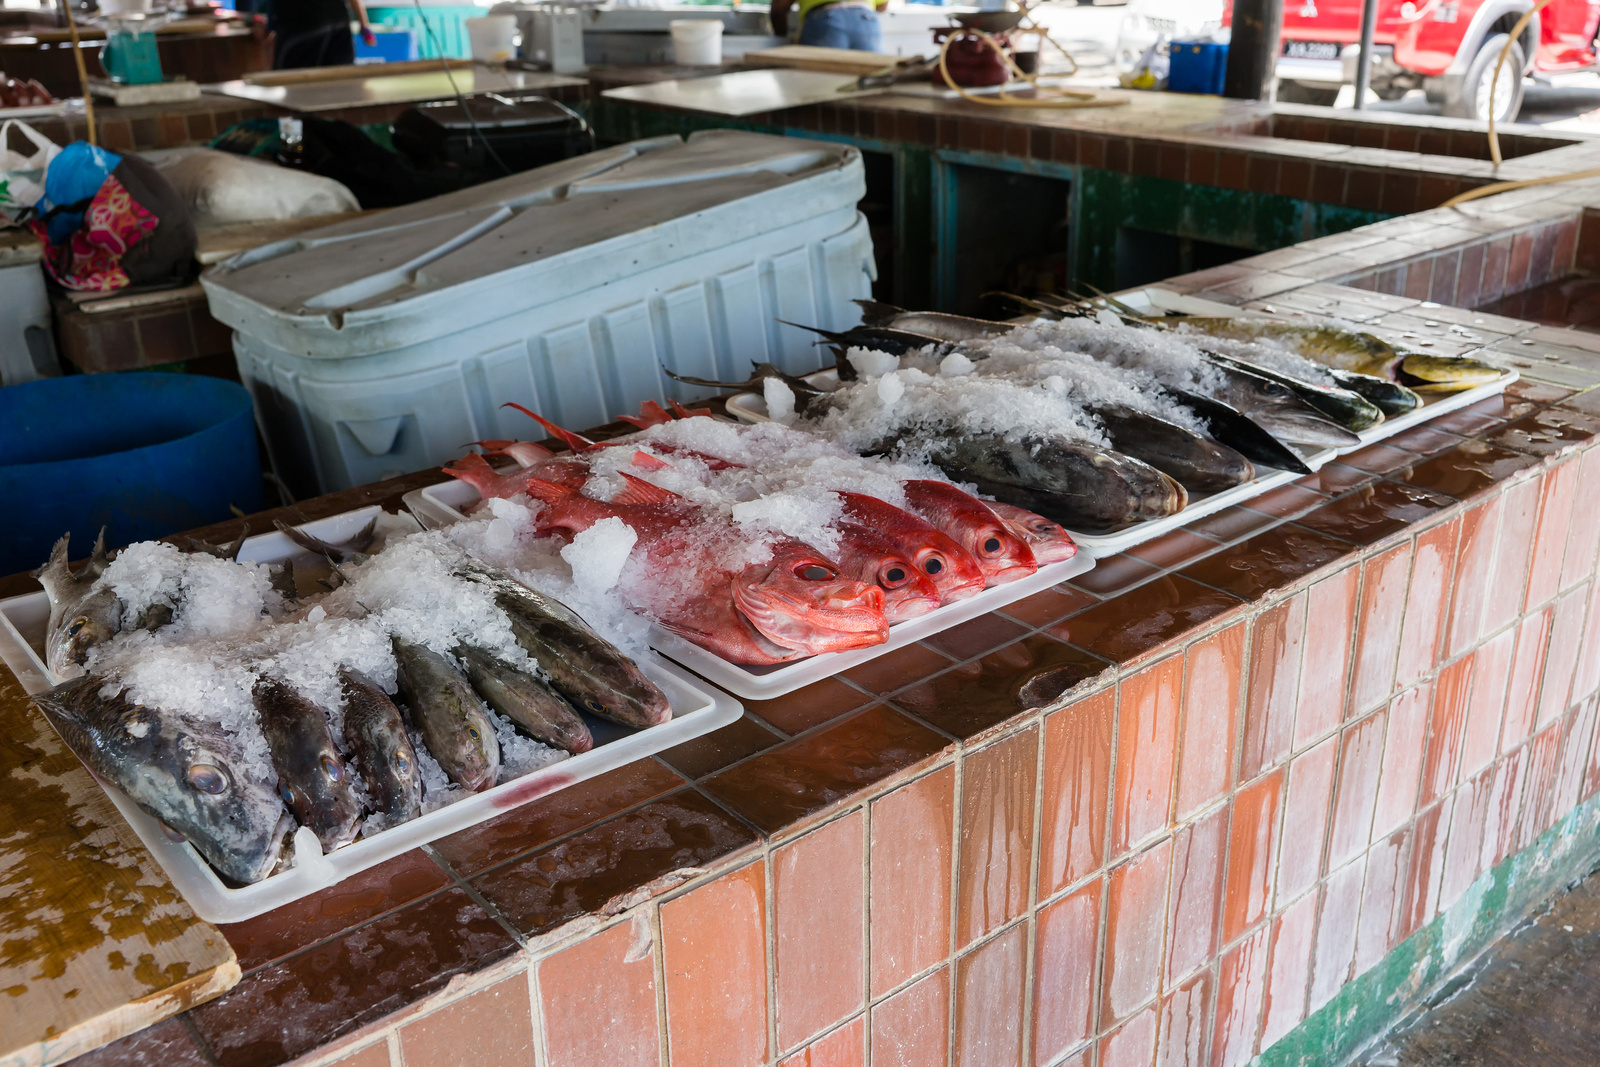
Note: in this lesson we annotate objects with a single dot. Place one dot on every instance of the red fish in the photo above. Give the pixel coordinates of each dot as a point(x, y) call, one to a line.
point(1001, 554)
point(1050, 543)
point(794, 604)
point(954, 573)
point(868, 556)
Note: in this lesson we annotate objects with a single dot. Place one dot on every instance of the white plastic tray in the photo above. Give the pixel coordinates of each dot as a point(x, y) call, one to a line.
point(440, 505)
point(696, 709)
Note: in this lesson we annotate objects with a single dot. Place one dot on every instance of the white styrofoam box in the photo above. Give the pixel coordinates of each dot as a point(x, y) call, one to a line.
point(697, 709)
point(384, 344)
point(447, 502)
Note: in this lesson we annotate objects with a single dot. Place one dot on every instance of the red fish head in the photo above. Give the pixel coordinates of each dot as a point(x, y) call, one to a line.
point(1050, 543)
point(869, 557)
point(1001, 555)
point(954, 573)
point(801, 601)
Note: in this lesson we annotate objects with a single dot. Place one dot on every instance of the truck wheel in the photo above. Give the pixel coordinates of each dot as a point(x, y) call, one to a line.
point(1474, 102)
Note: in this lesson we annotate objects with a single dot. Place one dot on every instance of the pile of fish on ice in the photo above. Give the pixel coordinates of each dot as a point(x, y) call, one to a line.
point(762, 544)
point(233, 705)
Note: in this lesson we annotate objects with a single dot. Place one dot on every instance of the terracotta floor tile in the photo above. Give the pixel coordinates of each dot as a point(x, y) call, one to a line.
point(844, 1047)
point(1505, 794)
point(1379, 618)
point(1241, 984)
point(609, 976)
point(1252, 855)
point(813, 705)
point(1475, 552)
point(1277, 643)
point(1066, 960)
point(1527, 667)
point(1583, 529)
point(1173, 549)
point(1425, 441)
point(1356, 791)
point(1077, 782)
point(989, 993)
point(714, 957)
point(1137, 906)
point(1211, 697)
point(1305, 820)
point(1374, 512)
point(1184, 1040)
point(1550, 531)
point(1546, 431)
point(1330, 620)
point(721, 748)
point(1148, 706)
point(977, 636)
point(165, 1044)
point(913, 837)
point(305, 1001)
point(912, 1028)
point(1468, 469)
point(1427, 601)
point(1113, 575)
point(580, 875)
point(1145, 619)
point(492, 1027)
point(1383, 900)
point(543, 821)
point(900, 668)
point(1519, 508)
point(376, 1055)
point(1334, 955)
point(819, 884)
point(1399, 779)
point(1134, 1043)
point(1198, 852)
point(1379, 459)
point(1230, 524)
point(310, 919)
point(1486, 703)
point(1286, 501)
point(1561, 656)
point(1289, 971)
point(805, 776)
point(1051, 605)
point(1468, 816)
point(996, 842)
point(1267, 562)
point(1025, 675)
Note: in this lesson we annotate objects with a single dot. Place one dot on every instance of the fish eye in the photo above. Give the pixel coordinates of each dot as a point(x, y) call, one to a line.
point(1274, 389)
point(401, 764)
point(991, 545)
point(330, 766)
point(77, 624)
point(593, 705)
point(208, 779)
point(934, 565)
point(472, 732)
point(814, 573)
point(894, 575)
point(283, 791)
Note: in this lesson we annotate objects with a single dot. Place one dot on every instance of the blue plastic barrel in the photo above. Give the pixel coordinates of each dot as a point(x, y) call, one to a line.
point(1196, 67)
point(144, 455)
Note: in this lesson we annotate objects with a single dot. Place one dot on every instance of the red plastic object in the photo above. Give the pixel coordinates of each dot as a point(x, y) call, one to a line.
point(971, 61)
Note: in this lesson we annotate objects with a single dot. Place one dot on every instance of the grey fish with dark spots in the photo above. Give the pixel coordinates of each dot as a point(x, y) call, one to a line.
point(376, 736)
point(1198, 464)
point(543, 713)
point(1078, 485)
point(584, 667)
point(83, 614)
point(1277, 409)
point(449, 715)
point(1230, 426)
point(313, 778)
point(189, 774)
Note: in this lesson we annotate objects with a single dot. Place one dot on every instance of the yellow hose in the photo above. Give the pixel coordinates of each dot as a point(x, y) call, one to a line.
point(1494, 80)
point(1062, 98)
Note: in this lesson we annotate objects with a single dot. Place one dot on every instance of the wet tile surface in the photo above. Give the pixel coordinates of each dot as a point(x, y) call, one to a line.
point(1267, 561)
point(1373, 512)
point(912, 845)
point(610, 976)
point(491, 1027)
point(819, 884)
point(1031, 673)
point(713, 952)
point(996, 834)
point(721, 748)
point(1146, 618)
point(1467, 469)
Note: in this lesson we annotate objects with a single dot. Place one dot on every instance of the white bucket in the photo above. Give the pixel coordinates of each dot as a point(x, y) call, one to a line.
point(493, 38)
point(696, 42)
point(124, 7)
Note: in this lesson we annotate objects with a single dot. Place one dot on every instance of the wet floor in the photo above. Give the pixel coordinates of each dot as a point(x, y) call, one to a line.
point(1531, 1001)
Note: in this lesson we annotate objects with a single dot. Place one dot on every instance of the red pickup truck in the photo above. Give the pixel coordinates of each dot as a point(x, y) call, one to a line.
point(1446, 47)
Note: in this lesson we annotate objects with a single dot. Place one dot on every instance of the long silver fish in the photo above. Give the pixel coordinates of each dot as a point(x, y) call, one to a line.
point(1197, 463)
point(188, 774)
point(937, 324)
point(81, 615)
point(449, 715)
point(526, 701)
point(376, 736)
point(313, 778)
point(1346, 407)
point(1277, 409)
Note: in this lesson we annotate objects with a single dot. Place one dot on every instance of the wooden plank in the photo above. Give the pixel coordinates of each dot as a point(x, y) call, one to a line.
point(829, 60)
point(352, 71)
point(97, 943)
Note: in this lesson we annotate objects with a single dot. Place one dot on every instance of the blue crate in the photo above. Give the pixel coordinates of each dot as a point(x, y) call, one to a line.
point(393, 46)
point(1197, 67)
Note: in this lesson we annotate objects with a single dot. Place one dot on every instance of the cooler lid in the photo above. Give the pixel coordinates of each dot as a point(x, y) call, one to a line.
point(494, 111)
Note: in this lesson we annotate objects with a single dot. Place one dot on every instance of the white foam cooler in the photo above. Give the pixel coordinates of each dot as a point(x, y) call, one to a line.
point(385, 344)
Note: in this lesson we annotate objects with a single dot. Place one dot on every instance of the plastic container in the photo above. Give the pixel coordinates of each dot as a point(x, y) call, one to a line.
point(440, 28)
point(492, 38)
point(144, 455)
point(27, 348)
point(389, 46)
point(1196, 67)
point(522, 130)
point(440, 505)
point(696, 709)
point(696, 42)
point(385, 344)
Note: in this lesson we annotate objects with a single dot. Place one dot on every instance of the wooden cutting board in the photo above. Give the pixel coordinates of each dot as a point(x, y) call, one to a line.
point(97, 943)
point(829, 60)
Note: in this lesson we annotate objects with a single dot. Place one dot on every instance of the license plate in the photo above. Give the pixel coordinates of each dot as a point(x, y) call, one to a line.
point(1311, 49)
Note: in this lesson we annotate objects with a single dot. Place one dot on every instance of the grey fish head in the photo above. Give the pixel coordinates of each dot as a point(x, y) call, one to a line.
point(91, 621)
point(312, 777)
point(375, 733)
point(188, 774)
point(449, 715)
point(1280, 411)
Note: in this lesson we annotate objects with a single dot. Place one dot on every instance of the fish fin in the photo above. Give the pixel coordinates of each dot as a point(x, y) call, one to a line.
point(495, 447)
point(874, 313)
point(97, 559)
point(354, 546)
point(708, 382)
point(548, 492)
point(686, 413)
point(474, 470)
point(640, 491)
point(648, 462)
point(829, 334)
point(634, 421)
point(575, 441)
point(56, 573)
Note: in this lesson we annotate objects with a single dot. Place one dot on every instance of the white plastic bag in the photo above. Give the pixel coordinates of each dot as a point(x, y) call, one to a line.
point(22, 173)
point(224, 188)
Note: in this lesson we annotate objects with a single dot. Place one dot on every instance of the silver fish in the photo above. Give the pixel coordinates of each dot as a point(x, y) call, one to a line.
point(82, 616)
point(449, 715)
point(376, 736)
point(188, 774)
point(526, 701)
point(936, 324)
point(1278, 410)
point(314, 781)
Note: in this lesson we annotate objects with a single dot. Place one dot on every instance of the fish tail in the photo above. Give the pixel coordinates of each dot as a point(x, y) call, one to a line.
point(682, 412)
point(55, 574)
point(639, 491)
point(575, 441)
point(474, 470)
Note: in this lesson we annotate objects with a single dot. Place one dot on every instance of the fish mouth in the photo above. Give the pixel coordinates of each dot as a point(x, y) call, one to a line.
point(1306, 429)
point(1011, 571)
point(816, 617)
point(902, 605)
